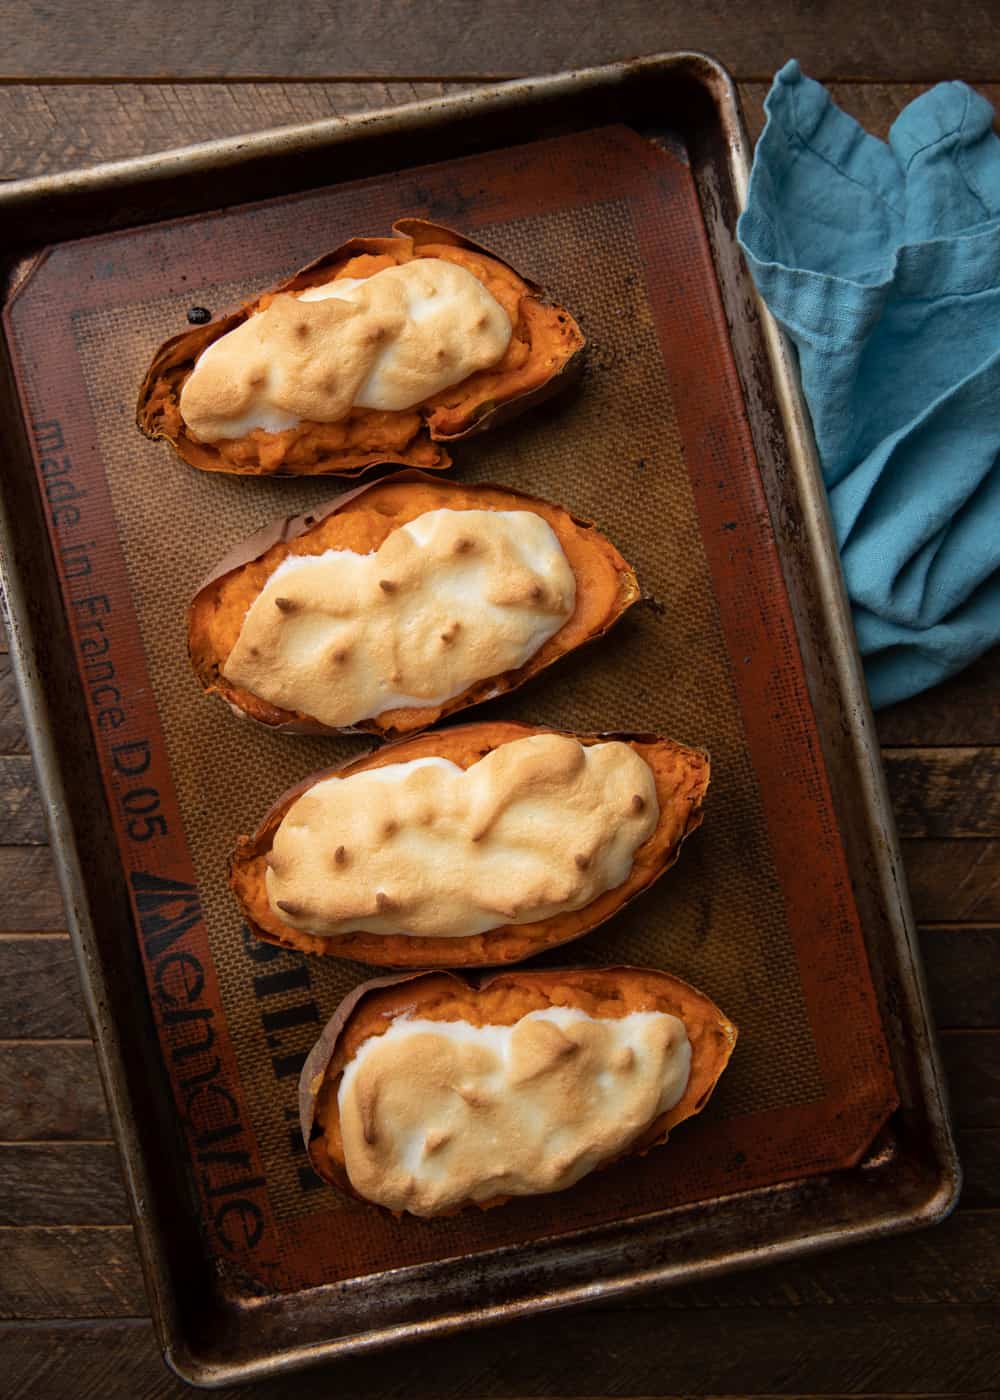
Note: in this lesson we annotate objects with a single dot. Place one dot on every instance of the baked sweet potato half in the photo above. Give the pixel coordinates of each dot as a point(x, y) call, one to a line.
point(408, 622)
point(336, 383)
point(476, 845)
point(430, 1093)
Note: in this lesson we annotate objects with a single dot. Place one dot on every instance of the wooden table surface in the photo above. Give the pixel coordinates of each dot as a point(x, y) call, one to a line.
point(918, 1315)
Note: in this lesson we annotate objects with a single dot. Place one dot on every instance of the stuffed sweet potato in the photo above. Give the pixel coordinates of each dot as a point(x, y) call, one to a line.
point(401, 602)
point(477, 845)
point(427, 339)
point(429, 1093)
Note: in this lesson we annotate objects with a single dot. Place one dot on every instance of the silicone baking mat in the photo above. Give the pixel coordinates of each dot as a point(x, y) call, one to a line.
point(654, 446)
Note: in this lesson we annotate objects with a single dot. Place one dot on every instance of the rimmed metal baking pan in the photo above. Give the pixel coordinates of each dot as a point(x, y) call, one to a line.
point(687, 440)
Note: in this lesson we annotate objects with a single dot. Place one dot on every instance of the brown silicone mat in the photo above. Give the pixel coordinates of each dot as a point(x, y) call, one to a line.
point(654, 446)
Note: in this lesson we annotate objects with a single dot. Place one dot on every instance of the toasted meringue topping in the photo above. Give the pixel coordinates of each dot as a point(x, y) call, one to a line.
point(389, 342)
point(437, 1113)
point(452, 597)
point(429, 849)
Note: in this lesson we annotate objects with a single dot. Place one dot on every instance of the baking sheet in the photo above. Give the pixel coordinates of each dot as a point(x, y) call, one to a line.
point(656, 447)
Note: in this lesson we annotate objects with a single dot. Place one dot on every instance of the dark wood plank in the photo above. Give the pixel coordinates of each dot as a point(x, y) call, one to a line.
point(381, 40)
point(979, 1151)
point(40, 993)
point(21, 819)
point(963, 710)
point(945, 792)
point(29, 893)
point(70, 1271)
point(50, 1091)
point(953, 881)
point(12, 736)
point(50, 128)
point(955, 1263)
point(61, 1184)
point(972, 1065)
point(963, 974)
point(810, 1352)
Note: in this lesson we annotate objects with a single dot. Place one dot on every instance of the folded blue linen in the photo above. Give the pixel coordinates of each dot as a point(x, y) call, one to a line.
point(882, 263)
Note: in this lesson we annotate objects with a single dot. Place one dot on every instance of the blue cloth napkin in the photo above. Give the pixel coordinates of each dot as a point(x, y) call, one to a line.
point(882, 263)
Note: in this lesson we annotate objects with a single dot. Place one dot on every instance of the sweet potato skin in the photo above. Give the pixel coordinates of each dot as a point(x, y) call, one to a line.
point(420, 442)
point(682, 777)
point(362, 519)
point(610, 991)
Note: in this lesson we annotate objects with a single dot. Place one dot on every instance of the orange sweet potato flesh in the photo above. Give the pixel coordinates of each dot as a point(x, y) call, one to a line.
point(545, 347)
point(360, 521)
point(681, 775)
point(502, 999)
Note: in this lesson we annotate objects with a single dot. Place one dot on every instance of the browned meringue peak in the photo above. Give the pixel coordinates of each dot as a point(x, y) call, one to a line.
point(434, 1114)
point(389, 342)
point(539, 826)
point(451, 598)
